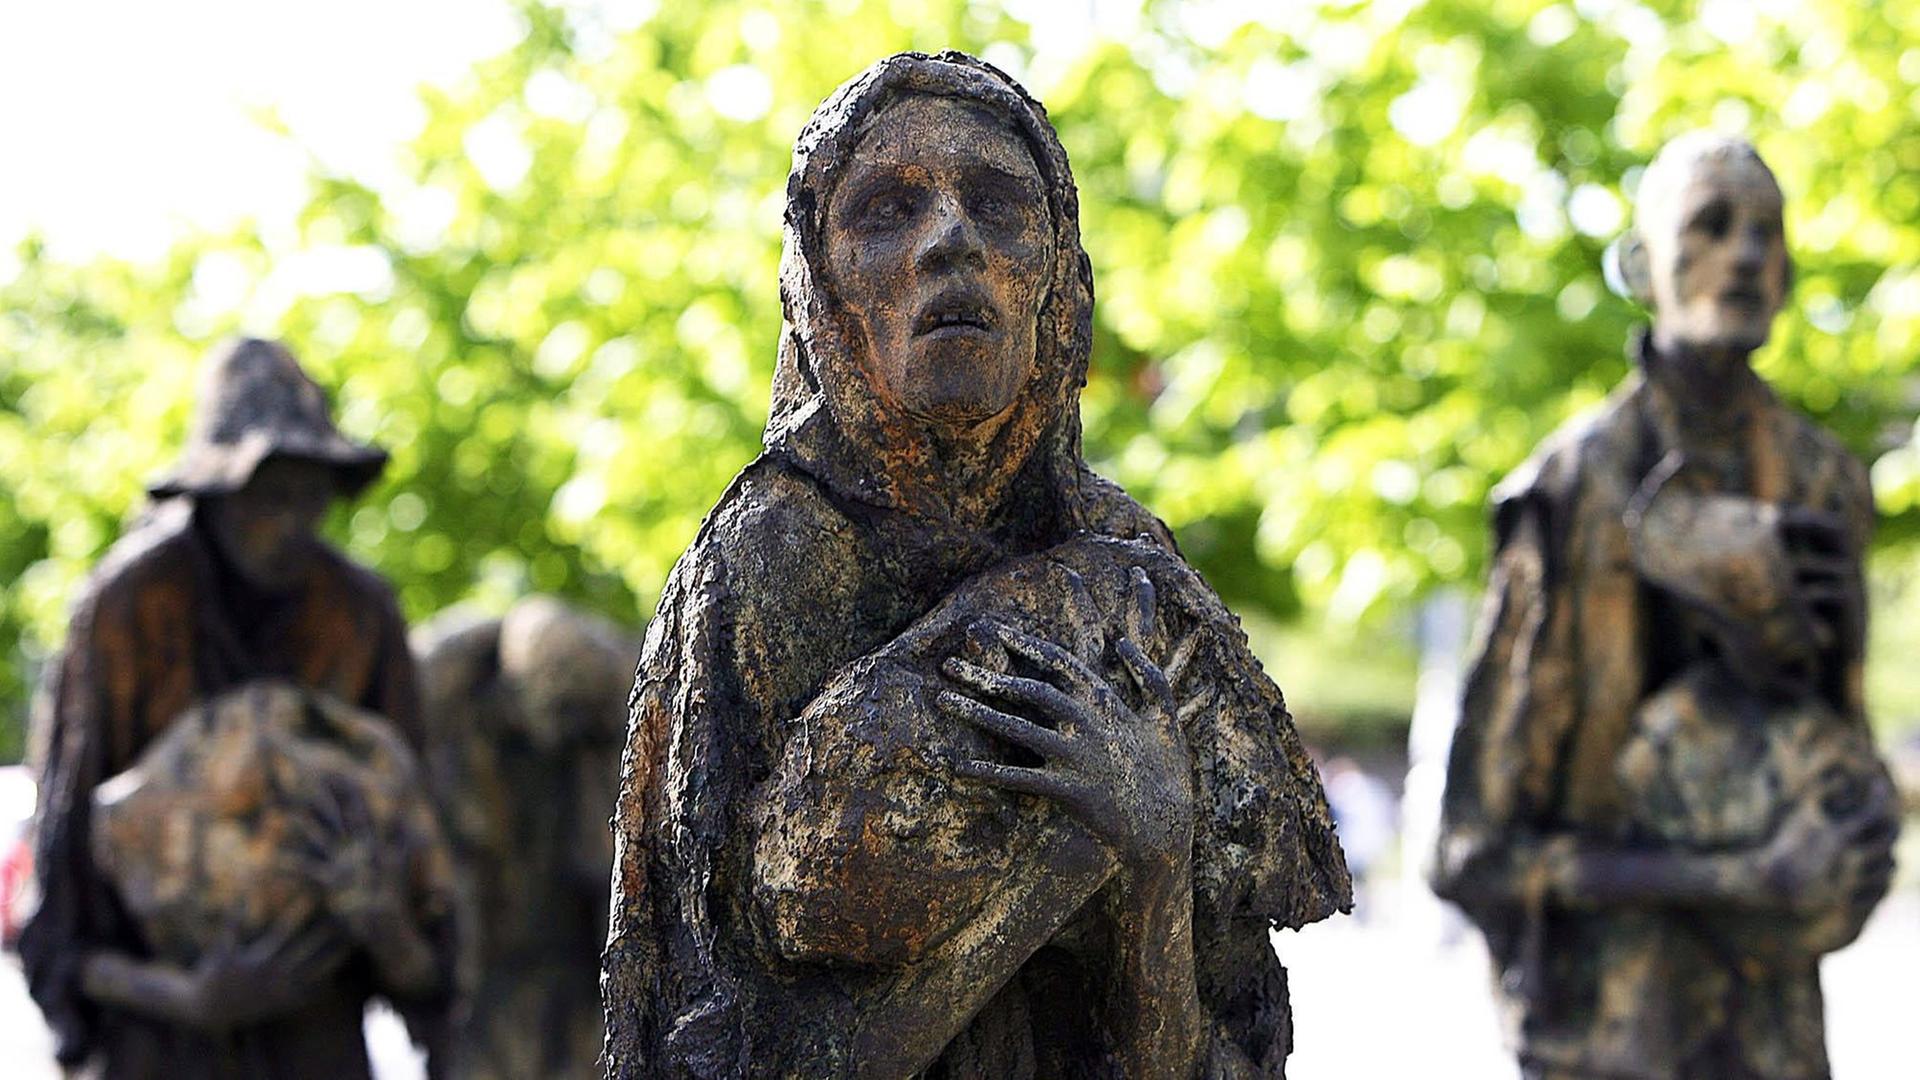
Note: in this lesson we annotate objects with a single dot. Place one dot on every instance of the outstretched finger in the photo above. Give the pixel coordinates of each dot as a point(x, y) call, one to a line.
point(315, 952)
point(1086, 628)
point(276, 939)
point(323, 873)
point(1045, 698)
point(308, 837)
point(1023, 733)
point(226, 945)
point(1814, 593)
point(1183, 654)
point(1816, 529)
point(1143, 607)
point(1014, 778)
point(356, 813)
point(1823, 567)
point(1868, 826)
point(979, 646)
point(329, 810)
point(1071, 672)
point(1146, 674)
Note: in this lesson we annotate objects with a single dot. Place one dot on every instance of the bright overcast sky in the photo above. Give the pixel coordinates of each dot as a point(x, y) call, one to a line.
point(124, 123)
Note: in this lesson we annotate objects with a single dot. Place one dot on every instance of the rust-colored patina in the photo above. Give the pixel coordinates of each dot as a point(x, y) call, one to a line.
point(1663, 804)
point(222, 588)
point(942, 762)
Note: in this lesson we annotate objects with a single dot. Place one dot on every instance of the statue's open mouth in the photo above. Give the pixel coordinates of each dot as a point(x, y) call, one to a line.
point(955, 313)
point(1745, 296)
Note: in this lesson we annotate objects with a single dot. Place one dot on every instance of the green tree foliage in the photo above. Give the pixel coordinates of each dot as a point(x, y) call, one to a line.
point(1347, 258)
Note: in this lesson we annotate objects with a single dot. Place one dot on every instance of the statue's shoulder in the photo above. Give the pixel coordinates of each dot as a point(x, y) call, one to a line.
point(772, 525)
point(1110, 511)
point(156, 552)
point(359, 586)
point(1600, 445)
point(776, 515)
point(1813, 446)
point(1825, 473)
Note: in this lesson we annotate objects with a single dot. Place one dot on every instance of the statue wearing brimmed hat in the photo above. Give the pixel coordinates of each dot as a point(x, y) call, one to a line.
point(224, 584)
point(256, 403)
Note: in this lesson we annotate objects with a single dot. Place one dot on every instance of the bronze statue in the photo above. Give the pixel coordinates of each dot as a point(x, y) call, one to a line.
point(941, 761)
point(1663, 805)
point(220, 651)
point(527, 713)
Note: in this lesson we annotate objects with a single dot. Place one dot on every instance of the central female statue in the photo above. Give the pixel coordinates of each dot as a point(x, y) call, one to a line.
point(941, 762)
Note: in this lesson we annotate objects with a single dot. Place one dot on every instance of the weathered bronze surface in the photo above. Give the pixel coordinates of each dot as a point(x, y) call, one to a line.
point(295, 867)
point(1663, 804)
point(526, 714)
point(941, 761)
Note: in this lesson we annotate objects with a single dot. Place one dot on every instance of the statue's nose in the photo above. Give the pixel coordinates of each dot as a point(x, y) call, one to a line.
point(1751, 248)
point(951, 240)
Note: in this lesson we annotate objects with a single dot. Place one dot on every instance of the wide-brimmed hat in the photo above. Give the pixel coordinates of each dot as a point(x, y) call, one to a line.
point(256, 403)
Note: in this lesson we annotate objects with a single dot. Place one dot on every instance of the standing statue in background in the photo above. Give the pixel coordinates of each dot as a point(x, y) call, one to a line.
point(942, 762)
point(1663, 805)
point(233, 848)
point(527, 713)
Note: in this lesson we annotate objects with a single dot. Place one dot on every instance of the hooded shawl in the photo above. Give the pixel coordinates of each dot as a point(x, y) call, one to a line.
point(826, 551)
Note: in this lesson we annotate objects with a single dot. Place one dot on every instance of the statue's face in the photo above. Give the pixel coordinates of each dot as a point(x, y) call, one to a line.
point(1717, 255)
point(267, 530)
point(939, 243)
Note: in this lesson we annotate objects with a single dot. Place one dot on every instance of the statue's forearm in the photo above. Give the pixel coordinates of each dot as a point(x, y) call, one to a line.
point(838, 887)
point(157, 990)
point(1569, 872)
point(404, 959)
point(933, 1000)
point(1155, 1012)
point(1608, 877)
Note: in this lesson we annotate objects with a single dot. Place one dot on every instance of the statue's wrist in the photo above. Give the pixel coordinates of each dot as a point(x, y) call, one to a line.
point(1164, 867)
point(105, 975)
point(183, 996)
point(1162, 879)
point(1558, 873)
point(376, 921)
point(100, 968)
point(409, 966)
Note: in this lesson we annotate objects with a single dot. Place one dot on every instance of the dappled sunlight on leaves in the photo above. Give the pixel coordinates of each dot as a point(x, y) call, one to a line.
point(1347, 256)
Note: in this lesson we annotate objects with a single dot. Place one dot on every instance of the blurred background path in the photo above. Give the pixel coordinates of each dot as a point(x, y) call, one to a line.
point(1384, 996)
point(1376, 997)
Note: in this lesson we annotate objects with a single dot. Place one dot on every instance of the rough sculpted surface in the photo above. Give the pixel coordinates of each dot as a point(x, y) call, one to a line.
point(203, 839)
point(941, 761)
point(525, 713)
point(231, 844)
point(1663, 804)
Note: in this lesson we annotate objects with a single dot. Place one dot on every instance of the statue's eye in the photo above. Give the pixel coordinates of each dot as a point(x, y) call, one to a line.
point(996, 200)
point(886, 209)
point(1713, 219)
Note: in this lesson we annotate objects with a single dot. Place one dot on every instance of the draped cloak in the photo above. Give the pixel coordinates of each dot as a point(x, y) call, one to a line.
point(1572, 641)
point(833, 544)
